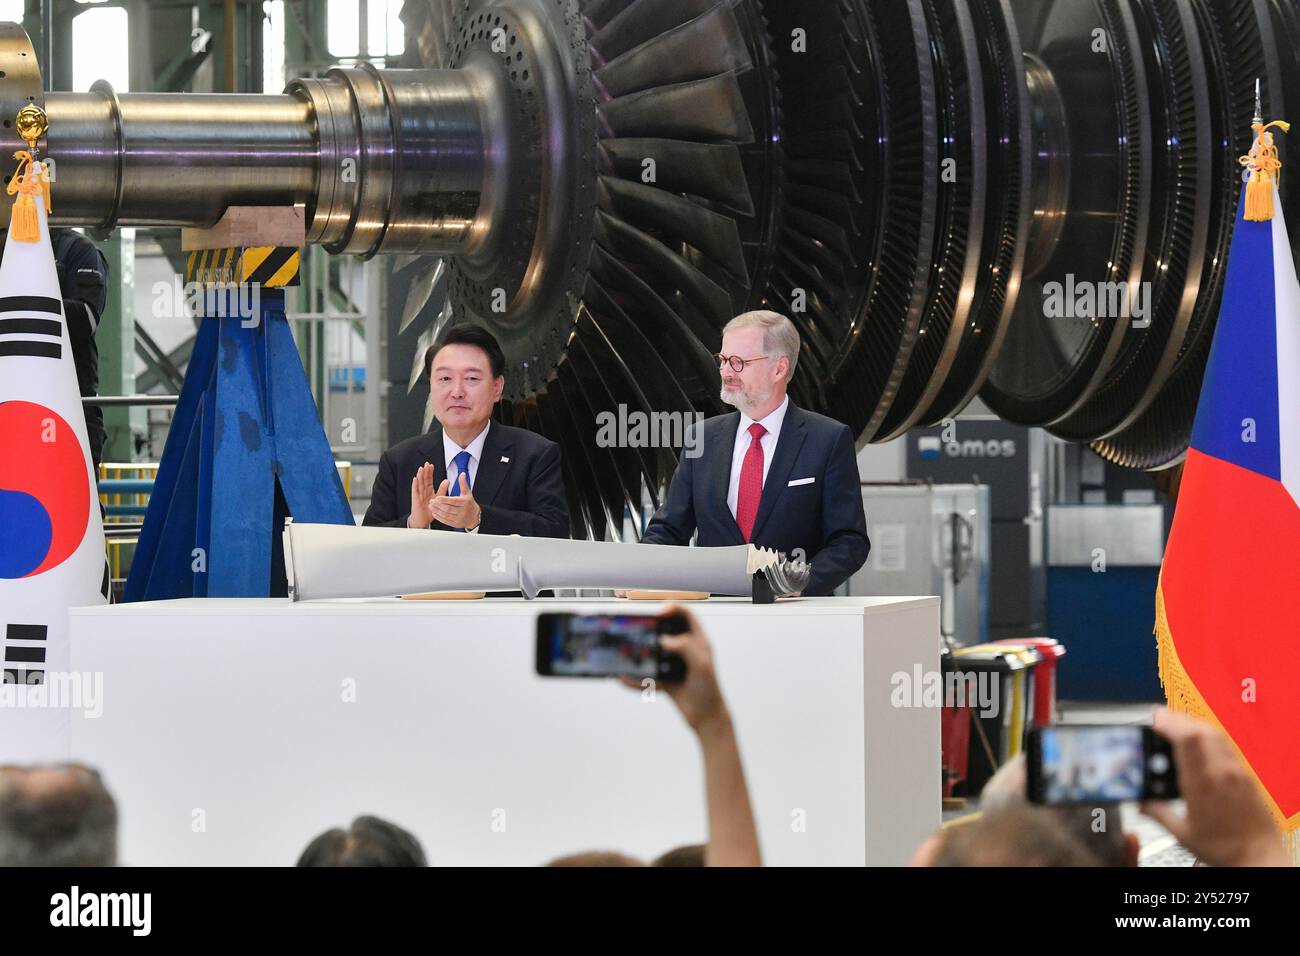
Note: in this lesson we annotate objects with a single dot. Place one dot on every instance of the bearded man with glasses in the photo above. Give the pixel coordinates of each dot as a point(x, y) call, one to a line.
point(770, 473)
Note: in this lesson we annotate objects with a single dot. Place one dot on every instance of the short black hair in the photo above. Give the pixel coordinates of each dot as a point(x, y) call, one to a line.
point(370, 842)
point(466, 334)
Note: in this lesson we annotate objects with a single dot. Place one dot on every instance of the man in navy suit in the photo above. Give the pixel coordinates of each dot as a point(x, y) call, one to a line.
point(494, 479)
point(770, 473)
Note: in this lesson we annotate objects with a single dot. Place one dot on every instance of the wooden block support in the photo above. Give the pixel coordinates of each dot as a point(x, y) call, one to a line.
point(446, 596)
point(250, 226)
point(641, 595)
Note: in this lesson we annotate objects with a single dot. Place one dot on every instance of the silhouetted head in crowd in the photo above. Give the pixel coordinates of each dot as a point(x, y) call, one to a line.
point(369, 842)
point(1095, 827)
point(691, 855)
point(596, 858)
point(1012, 836)
point(59, 815)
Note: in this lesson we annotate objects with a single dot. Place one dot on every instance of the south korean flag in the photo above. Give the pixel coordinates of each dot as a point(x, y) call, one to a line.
point(51, 533)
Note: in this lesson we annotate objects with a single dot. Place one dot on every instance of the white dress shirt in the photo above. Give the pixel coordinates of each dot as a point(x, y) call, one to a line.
point(743, 439)
point(475, 448)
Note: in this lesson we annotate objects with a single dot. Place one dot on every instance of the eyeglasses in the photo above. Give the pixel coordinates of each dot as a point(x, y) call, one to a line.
point(737, 363)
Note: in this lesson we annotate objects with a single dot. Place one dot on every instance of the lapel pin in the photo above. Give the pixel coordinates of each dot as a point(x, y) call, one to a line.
point(505, 460)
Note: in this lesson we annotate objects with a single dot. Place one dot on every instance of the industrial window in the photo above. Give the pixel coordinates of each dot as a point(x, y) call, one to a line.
point(273, 78)
point(99, 48)
point(384, 36)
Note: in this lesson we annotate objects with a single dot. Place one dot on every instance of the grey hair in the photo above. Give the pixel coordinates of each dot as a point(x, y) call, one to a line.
point(72, 823)
point(780, 337)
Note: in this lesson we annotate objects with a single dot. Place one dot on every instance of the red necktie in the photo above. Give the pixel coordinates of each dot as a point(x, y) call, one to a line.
point(751, 482)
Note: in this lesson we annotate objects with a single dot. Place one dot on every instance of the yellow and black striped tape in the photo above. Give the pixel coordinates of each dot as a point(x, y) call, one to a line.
point(268, 266)
point(271, 266)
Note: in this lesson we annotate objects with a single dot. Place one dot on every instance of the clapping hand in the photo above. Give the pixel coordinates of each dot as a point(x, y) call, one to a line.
point(421, 493)
point(455, 511)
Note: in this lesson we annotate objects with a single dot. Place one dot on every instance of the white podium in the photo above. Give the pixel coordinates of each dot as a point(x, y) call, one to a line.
point(235, 730)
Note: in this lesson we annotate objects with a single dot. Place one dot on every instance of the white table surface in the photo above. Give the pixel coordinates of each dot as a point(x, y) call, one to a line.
point(226, 737)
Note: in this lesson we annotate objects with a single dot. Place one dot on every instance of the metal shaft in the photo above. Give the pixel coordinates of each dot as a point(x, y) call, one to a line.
point(146, 158)
point(382, 161)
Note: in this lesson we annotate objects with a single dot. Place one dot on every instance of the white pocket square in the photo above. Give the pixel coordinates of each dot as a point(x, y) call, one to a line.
point(801, 481)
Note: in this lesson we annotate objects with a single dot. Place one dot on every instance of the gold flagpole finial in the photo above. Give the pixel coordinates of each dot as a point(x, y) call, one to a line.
point(32, 125)
point(29, 179)
point(1262, 164)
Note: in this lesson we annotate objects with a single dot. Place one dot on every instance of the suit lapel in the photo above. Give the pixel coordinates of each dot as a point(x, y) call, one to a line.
point(787, 449)
point(491, 469)
point(431, 451)
point(718, 479)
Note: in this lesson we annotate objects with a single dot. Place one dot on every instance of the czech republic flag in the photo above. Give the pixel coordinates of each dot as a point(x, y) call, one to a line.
point(1228, 602)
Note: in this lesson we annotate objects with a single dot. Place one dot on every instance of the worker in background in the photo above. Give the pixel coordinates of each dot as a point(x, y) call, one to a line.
point(83, 283)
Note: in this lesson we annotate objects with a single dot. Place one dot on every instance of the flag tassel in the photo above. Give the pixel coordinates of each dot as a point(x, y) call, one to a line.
point(1263, 163)
point(1182, 697)
point(29, 181)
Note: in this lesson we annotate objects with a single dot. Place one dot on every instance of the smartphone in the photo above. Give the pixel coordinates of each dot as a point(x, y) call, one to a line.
point(607, 645)
point(1099, 764)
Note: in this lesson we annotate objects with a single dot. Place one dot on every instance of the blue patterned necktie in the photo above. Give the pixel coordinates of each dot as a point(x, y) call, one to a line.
point(462, 468)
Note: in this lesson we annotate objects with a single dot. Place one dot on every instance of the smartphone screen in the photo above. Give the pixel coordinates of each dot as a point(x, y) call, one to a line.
point(598, 645)
point(1099, 764)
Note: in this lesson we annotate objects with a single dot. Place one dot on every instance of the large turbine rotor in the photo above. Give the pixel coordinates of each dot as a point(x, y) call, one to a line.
point(604, 183)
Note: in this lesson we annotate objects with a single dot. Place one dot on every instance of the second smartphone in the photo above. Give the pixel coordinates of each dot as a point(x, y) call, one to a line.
point(607, 645)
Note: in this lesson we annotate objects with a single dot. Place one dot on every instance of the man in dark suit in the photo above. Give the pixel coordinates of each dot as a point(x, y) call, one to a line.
point(494, 479)
point(770, 473)
point(83, 283)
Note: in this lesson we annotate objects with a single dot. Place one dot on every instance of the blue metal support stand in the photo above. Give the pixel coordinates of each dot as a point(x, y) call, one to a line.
point(246, 449)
